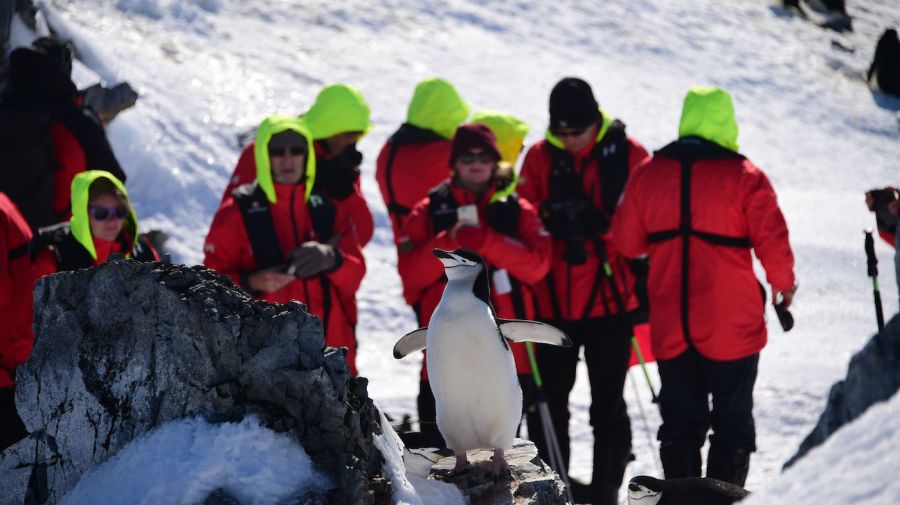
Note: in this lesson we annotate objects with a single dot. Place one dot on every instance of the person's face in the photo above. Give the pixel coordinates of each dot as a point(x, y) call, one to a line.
point(107, 215)
point(288, 163)
point(474, 168)
point(576, 139)
point(337, 143)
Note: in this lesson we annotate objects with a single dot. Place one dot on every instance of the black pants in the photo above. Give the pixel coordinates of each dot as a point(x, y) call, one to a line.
point(687, 382)
point(11, 428)
point(427, 412)
point(606, 343)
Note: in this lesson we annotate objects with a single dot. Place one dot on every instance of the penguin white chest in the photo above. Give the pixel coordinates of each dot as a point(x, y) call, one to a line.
point(472, 374)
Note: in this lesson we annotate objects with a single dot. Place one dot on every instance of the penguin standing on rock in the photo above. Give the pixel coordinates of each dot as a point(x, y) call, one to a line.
point(473, 376)
point(644, 490)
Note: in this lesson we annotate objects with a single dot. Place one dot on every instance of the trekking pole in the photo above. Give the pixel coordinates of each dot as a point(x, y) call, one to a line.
point(620, 304)
point(556, 459)
point(872, 262)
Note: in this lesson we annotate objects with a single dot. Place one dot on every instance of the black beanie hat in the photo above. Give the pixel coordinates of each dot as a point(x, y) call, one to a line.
point(473, 136)
point(572, 104)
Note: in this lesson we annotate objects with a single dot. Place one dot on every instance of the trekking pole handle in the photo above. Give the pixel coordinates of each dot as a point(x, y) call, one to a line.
point(871, 259)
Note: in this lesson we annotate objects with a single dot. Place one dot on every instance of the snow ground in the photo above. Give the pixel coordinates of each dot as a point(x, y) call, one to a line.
point(209, 69)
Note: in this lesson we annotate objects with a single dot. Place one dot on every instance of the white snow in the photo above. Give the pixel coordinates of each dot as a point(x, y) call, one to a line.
point(207, 70)
point(183, 461)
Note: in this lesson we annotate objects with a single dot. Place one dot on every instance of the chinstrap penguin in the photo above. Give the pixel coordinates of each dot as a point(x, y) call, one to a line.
point(473, 376)
point(644, 490)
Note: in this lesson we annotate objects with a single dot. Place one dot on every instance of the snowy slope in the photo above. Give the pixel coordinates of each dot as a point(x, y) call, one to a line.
point(209, 69)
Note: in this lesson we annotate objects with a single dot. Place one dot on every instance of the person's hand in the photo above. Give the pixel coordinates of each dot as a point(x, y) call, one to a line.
point(786, 296)
point(312, 258)
point(267, 281)
point(870, 201)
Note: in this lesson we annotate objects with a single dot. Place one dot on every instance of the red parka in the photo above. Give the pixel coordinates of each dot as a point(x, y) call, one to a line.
point(415, 168)
point(16, 285)
point(525, 257)
point(732, 209)
point(575, 283)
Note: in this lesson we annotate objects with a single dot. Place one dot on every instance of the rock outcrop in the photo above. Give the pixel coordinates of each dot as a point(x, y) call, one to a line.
point(530, 480)
point(873, 376)
point(125, 347)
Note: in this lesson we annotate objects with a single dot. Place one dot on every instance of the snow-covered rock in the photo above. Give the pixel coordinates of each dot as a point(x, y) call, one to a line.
point(125, 347)
point(872, 377)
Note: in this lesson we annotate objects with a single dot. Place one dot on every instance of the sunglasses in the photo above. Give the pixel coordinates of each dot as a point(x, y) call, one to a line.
point(104, 213)
point(471, 157)
point(571, 132)
point(278, 152)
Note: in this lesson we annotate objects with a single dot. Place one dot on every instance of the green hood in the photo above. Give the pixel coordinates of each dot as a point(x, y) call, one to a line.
point(554, 140)
point(709, 113)
point(509, 130)
point(339, 108)
point(80, 224)
point(437, 106)
point(269, 127)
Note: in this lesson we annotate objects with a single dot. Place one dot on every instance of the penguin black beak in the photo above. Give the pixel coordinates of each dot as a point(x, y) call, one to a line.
point(633, 487)
point(442, 254)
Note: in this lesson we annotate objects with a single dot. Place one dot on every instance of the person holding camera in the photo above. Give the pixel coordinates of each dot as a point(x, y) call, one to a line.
point(700, 210)
point(476, 209)
point(574, 177)
point(281, 241)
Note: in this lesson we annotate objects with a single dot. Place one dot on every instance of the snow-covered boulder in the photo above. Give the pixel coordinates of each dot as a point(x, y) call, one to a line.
point(125, 347)
point(872, 377)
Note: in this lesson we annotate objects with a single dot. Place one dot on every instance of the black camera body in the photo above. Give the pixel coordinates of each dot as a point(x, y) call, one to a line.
point(573, 220)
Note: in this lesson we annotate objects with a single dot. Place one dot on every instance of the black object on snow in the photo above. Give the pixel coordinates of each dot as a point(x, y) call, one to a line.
point(884, 73)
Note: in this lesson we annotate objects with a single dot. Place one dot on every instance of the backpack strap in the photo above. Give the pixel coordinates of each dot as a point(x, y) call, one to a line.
point(257, 216)
point(70, 255)
point(322, 211)
point(442, 207)
point(688, 151)
point(611, 154)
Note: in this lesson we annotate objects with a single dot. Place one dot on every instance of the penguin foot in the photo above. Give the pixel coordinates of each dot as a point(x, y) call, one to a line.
point(462, 465)
point(498, 463)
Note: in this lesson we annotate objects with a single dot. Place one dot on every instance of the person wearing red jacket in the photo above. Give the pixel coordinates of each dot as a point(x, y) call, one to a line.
point(16, 338)
point(415, 158)
point(103, 223)
point(70, 136)
point(475, 209)
point(574, 177)
point(281, 241)
point(698, 208)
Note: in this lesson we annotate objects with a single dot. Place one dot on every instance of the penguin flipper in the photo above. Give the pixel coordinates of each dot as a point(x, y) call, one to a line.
point(411, 342)
point(519, 330)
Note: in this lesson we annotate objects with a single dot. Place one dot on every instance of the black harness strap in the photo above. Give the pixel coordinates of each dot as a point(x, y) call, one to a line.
point(688, 151)
point(258, 223)
point(17, 252)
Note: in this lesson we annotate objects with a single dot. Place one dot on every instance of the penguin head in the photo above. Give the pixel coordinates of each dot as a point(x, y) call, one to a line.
point(460, 263)
point(644, 490)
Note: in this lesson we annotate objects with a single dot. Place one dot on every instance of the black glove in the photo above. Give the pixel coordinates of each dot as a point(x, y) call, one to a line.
point(314, 258)
point(337, 176)
point(640, 267)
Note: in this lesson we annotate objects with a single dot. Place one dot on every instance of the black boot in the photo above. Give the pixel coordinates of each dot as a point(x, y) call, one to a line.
point(679, 462)
point(730, 465)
